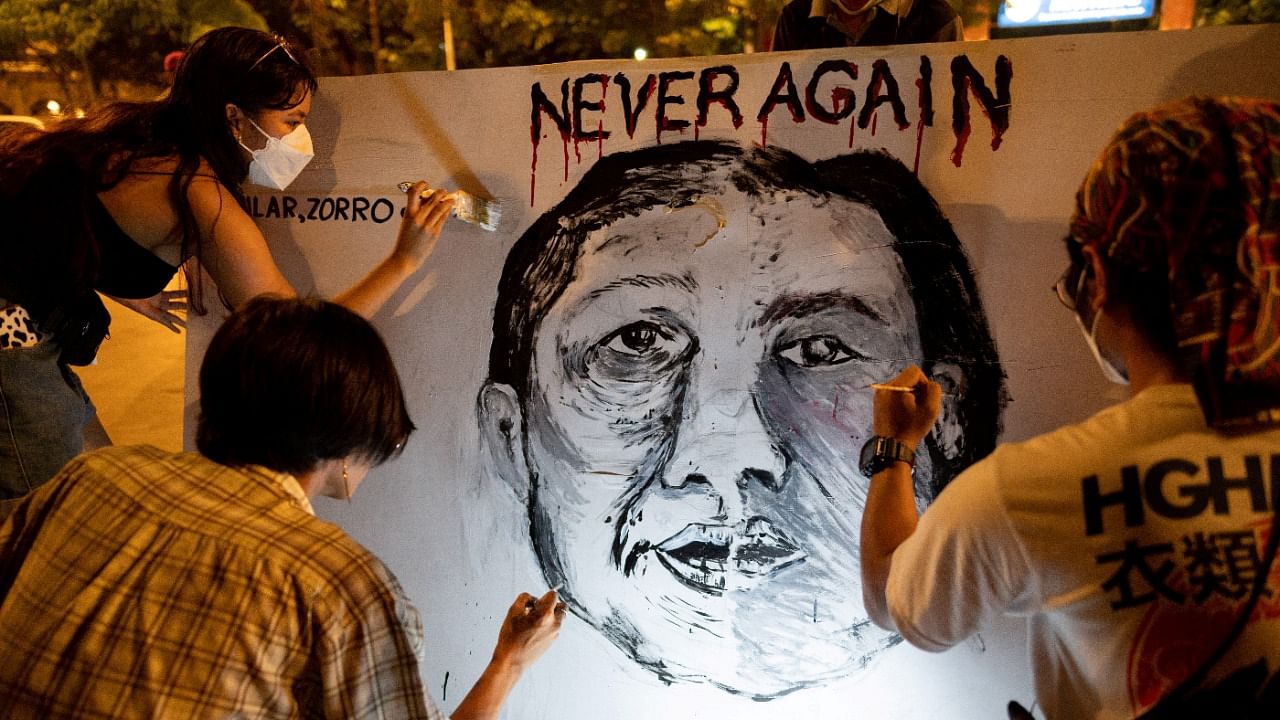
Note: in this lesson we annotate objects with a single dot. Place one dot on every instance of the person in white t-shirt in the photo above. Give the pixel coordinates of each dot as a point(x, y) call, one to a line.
point(1140, 542)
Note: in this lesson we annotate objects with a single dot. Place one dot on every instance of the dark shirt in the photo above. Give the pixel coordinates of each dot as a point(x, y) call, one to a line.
point(925, 21)
point(127, 269)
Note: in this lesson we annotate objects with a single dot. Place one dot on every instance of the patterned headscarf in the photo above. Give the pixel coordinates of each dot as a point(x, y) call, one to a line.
point(1192, 189)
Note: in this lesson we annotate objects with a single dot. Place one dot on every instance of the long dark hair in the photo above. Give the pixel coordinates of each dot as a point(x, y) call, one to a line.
point(48, 180)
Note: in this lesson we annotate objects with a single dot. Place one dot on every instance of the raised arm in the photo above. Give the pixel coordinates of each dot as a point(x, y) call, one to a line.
point(239, 260)
point(529, 629)
point(890, 515)
point(424, 217)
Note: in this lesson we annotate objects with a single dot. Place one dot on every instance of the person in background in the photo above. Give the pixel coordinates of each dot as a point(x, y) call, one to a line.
point(814, 24)
point(1141, 542)
point(117, 201)
point(140, 583)
point(171, 62)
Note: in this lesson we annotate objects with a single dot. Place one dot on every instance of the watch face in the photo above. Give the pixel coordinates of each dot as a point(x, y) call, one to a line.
point(879, 452)
point(866, 458)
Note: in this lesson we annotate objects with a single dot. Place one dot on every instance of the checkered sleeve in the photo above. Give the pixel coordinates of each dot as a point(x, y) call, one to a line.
point(20, 522)
point(369, 649)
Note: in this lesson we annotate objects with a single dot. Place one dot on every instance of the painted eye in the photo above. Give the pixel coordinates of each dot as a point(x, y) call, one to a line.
point(641, 350)
point(638, 339)
point(816, 351)
point(635, 339)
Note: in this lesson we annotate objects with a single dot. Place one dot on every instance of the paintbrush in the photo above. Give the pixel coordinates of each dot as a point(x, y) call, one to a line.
point(897, 388)
point(471, 209)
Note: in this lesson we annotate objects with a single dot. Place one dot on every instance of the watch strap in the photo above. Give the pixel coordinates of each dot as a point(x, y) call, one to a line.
point(880, 452)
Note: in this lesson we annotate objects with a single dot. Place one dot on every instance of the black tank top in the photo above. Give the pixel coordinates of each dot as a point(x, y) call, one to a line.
point(127, 269)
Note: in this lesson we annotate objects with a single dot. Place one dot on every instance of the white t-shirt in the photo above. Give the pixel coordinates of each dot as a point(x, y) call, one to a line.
point(1131, 542)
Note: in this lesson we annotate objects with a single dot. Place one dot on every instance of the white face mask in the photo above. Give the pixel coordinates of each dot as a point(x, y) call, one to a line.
point(279, 162)
point(1109, 370)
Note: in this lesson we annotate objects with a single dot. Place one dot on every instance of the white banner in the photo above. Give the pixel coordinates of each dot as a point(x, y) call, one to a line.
point(706, 262)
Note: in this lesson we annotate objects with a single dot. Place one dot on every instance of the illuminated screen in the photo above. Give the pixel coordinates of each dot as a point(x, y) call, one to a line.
point(1030, 13)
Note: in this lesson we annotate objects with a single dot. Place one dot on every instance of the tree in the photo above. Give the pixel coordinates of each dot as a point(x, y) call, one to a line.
point(84, 43)
point(524, 32)
point(1237, 12)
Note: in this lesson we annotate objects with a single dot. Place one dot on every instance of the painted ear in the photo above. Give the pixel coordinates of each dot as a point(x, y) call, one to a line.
point(502, 431)
point(948, 432)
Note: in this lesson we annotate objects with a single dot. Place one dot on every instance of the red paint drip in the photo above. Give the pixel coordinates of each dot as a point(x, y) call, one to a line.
point(874, 117)
point(696, 131)
point(600, 140)
point(962, 137)
point(919, 141)
point(764, 132)
point(564, 139)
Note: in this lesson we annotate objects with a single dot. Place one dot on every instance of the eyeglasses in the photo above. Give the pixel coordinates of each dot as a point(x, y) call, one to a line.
point(281, 44)
point(1069, 286)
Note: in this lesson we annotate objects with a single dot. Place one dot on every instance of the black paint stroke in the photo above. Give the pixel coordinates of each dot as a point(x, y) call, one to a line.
point(952, 329)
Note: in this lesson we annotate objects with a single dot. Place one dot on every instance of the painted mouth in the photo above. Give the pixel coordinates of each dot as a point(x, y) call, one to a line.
point(714, 558)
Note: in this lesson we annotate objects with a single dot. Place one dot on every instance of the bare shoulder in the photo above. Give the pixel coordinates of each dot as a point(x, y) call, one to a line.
point(150, 177)
point(140, 202)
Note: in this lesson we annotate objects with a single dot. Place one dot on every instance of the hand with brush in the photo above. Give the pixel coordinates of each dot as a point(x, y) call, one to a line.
point(424, 216)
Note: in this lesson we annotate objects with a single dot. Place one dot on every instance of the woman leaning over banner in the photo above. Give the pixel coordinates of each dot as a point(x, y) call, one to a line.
point(118, 201)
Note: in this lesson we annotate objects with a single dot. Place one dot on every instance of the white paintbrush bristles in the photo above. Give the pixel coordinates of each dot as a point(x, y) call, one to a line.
point(478, 211)
point(471, 209)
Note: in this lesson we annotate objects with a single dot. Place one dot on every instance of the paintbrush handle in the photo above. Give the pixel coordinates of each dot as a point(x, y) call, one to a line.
point(895, 388)
point(891, 388)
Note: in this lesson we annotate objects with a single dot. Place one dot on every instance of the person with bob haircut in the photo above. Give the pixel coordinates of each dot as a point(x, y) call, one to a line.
point(1141, 542)
point(117, 201)
point(141, 583)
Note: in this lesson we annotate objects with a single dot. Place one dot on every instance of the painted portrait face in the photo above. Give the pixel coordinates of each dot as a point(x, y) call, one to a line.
point(697, 399)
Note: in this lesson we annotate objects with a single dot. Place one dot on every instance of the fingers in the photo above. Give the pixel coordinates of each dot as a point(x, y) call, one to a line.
point(907, 416)
point(924, 390)
point(165, 306)
point(523, 603)
point(417, 193)
point(172, 300)
point(173, 322)
point(549, 607)
point(428, 207)
point(438, 212)
point(912, 377)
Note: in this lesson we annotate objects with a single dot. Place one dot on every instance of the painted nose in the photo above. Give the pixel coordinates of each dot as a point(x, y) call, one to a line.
point(722, 443)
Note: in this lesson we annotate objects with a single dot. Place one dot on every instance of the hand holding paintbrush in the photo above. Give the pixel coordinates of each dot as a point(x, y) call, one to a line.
point(906, 407)
point(424, 216)
point(469, 208)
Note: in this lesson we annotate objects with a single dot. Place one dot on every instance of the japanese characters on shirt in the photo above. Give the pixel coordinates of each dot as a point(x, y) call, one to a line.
point(1197, 566)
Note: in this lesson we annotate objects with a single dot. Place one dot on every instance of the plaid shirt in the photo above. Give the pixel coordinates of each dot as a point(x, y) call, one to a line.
point(143, 584)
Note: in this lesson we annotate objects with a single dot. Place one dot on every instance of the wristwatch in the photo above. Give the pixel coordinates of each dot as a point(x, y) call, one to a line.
point(880, 452)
